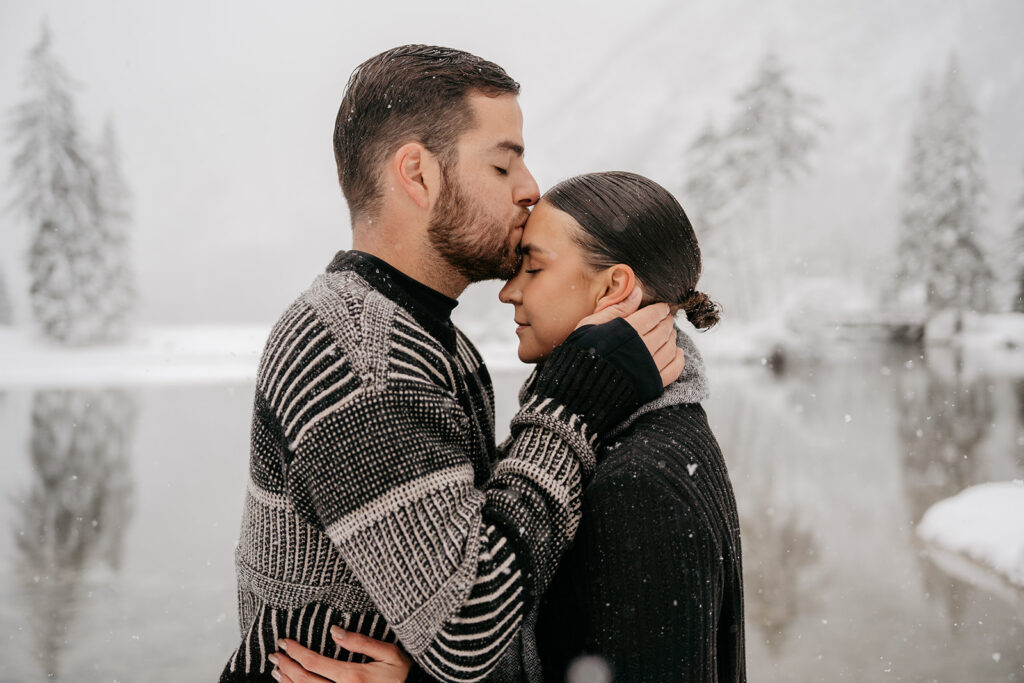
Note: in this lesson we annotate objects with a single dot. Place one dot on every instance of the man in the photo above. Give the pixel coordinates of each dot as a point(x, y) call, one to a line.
point(377, 501)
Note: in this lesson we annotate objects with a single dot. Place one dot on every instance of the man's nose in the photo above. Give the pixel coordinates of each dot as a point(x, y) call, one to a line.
point(528, 193)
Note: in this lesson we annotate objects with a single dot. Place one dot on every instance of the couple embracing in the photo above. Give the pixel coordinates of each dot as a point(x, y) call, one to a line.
point(385, 536)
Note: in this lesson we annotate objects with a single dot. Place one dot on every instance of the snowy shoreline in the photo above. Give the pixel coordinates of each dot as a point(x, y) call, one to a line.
point(213, 354)
point(157, 355)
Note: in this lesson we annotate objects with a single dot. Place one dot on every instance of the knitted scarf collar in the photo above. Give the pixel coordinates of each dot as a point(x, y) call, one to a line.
point(691, 387)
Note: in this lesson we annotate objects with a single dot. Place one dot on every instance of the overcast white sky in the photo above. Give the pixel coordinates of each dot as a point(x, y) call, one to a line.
point(225, 110)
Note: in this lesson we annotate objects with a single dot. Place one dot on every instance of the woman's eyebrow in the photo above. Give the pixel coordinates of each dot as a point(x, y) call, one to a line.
point(535, 250)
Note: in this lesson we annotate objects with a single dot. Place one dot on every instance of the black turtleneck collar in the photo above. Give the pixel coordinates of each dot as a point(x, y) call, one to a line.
point(429, 307)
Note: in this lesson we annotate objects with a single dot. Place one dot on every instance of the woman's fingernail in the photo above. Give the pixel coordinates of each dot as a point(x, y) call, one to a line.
point(337, 633)
point(273, 659)
point(283, 645)
point(276, 674)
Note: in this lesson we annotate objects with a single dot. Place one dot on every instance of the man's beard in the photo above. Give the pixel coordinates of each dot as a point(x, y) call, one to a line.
point(475, 244)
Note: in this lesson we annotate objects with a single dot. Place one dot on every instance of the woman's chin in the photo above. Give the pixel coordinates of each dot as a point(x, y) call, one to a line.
point(528, 355)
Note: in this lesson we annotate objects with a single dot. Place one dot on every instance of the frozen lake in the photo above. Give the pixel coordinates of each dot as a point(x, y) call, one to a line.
point(119, 510)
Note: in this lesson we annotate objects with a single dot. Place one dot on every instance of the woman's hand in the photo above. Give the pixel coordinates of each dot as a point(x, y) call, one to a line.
point(297, 664)
point(656, 326)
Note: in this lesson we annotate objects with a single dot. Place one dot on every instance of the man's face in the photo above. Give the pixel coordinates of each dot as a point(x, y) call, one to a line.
point(479, 217)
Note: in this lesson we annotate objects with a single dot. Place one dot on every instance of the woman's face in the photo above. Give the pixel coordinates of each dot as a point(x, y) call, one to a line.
point(554, 287)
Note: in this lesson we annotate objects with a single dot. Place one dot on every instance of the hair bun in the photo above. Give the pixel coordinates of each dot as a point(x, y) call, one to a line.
point(701, 311)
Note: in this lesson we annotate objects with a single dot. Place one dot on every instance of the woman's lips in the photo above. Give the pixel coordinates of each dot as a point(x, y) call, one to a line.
point(521, 327)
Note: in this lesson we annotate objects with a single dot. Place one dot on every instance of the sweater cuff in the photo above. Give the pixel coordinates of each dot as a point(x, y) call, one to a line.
point(619, 343)
point(589, 374)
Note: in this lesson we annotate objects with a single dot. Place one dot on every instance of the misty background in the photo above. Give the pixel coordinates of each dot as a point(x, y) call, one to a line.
point(224, 113)
point(855, 175)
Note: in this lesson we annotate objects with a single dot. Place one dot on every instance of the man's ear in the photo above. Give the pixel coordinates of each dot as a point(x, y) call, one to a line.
point(616, 284)
point(416, 173)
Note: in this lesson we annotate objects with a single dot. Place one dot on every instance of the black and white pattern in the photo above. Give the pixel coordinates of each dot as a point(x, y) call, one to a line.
point(377, 500)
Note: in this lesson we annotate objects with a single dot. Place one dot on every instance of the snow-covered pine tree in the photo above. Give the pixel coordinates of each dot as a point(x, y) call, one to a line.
point(1018, 249)
point(57, 190)
point(775, 128)
point(941, 247)
point(6, 314)
point(915, 254)
point(114, 198)
point(733, 175)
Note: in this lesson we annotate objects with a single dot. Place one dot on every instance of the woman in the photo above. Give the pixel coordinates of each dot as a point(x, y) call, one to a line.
point(651, 588)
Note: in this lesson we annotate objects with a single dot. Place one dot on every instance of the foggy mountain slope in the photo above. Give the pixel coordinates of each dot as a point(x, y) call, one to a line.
point(225, 118)
point(641, 109)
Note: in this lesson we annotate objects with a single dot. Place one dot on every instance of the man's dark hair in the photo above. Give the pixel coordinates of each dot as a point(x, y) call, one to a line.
point(412, 93)
point(627, 218)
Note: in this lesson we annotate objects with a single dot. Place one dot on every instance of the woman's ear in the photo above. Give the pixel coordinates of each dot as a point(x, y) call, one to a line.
point(616, 284)
point(416, 173)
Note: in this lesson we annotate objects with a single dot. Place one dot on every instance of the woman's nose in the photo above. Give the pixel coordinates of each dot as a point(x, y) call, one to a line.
point(509, 294)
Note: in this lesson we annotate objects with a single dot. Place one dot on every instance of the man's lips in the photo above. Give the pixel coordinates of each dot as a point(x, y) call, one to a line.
point(521, 326)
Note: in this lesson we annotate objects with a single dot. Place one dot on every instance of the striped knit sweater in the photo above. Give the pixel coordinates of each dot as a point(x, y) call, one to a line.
point(377, 500)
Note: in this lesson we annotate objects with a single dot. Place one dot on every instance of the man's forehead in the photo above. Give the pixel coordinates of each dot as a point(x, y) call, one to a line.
point(498, 122)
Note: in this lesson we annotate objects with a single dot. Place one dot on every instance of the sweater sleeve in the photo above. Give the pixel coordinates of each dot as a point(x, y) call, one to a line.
point(386, 468)
point(647, 573)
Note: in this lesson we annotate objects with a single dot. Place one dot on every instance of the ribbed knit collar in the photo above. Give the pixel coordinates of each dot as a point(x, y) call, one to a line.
point(691, 387)
point(429, 307)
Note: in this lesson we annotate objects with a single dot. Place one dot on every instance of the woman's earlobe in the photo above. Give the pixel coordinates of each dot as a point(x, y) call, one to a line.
point(619, 282)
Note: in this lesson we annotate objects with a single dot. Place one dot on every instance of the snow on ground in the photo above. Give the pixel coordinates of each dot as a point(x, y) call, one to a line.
point(989, 330)
point(157, 355)
point(198, 354)
point(984, 523)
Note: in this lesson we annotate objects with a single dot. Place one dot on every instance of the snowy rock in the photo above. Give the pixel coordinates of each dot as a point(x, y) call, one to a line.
point(984, 523)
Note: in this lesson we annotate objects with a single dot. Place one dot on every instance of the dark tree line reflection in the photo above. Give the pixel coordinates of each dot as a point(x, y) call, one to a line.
point(76, 509)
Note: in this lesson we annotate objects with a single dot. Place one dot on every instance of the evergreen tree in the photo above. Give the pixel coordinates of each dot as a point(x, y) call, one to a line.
point(57, 190)
point(940, 248)
point(1018, 249)
point(775, 128)
point(735, 174)
point(914, 252)
point(6, 314)
point(114, 199)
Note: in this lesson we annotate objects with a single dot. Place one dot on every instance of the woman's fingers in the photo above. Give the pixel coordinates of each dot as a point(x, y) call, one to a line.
point(620, 310)
point(663, 334)
point(671, 372)
point(371, 647)
point(648, 317)
point(667, 353)
point(301, 665)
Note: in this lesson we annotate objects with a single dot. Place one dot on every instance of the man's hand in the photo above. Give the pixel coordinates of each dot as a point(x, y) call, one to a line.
point(654, 324)
point(297, 664)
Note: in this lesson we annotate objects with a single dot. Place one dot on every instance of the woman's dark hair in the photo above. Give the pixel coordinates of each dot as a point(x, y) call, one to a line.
point(627, 218)
point(406, 94)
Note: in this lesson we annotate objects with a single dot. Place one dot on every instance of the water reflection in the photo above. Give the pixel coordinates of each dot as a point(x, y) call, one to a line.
point(944, 415)
point(77, 507)
point(780, 547)
point(1019, 452)
point(834, 463)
